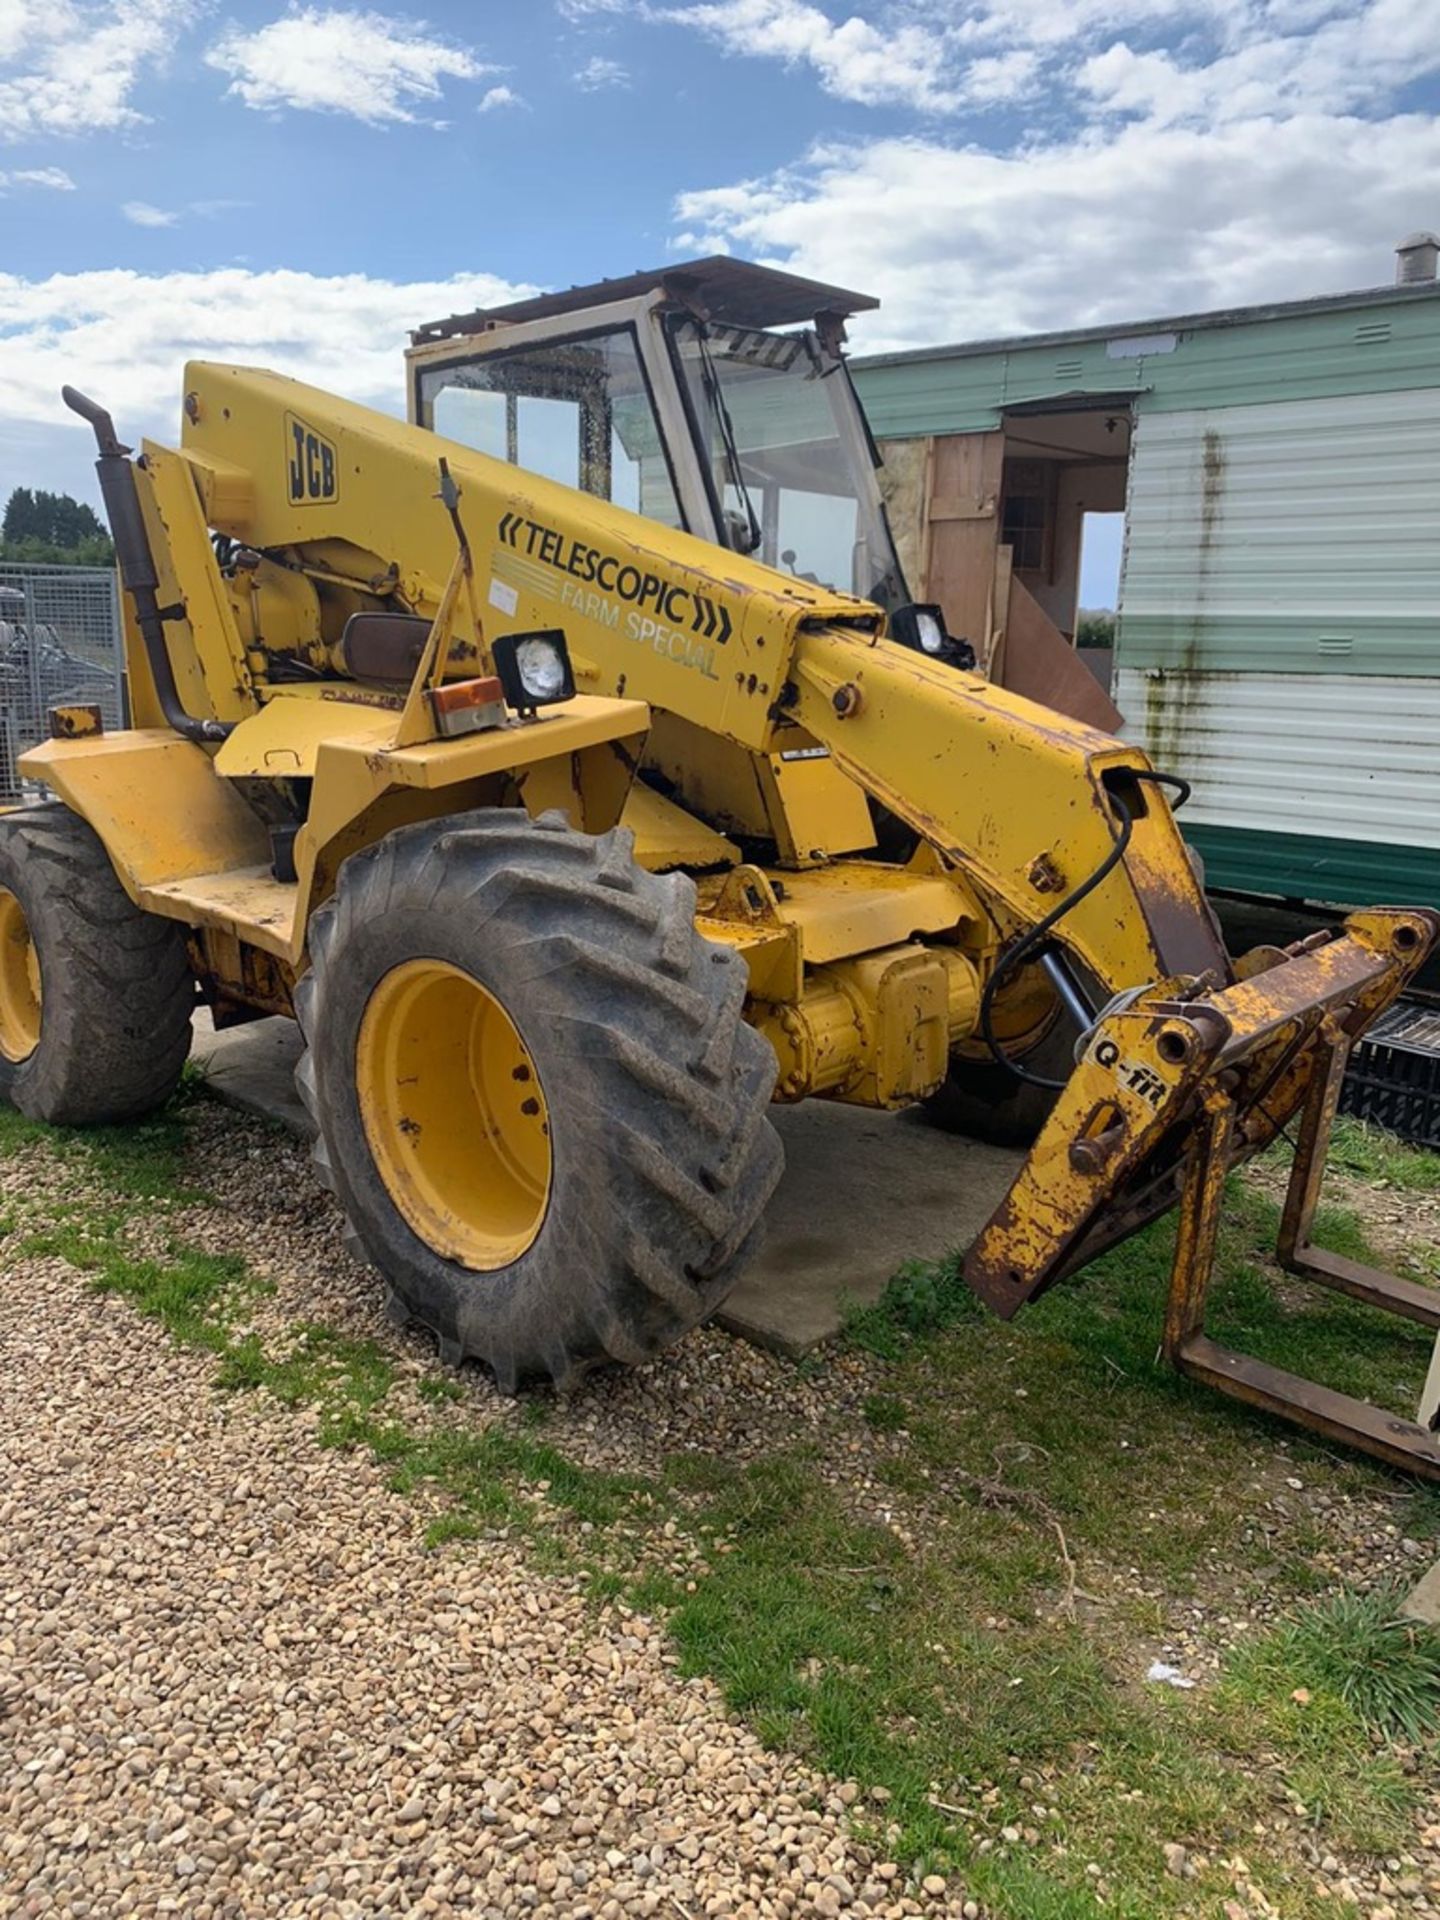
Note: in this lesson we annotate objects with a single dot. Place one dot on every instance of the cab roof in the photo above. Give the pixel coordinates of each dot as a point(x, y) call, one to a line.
point(731, 292)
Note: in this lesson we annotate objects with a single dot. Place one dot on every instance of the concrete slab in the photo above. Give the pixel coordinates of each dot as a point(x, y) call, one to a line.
point(862, 1192)
point(1422, 1603)
point(253, 1067)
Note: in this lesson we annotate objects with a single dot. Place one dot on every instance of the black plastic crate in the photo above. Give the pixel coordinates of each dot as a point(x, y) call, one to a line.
point(1394, 1075)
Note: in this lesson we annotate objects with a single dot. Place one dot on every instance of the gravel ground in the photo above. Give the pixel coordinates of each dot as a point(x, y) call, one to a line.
point(233, 1682)
point(711, 1393)
point(236, 1685)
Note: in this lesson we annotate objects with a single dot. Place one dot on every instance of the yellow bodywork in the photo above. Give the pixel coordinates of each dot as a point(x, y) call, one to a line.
point(754, 734)
point(724, 708)
point(186, 845)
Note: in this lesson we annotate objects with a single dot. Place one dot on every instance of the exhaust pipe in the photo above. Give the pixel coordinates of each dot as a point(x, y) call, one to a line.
point(137, 566)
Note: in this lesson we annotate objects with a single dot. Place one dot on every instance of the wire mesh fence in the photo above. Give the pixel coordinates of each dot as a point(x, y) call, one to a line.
point(60, 644)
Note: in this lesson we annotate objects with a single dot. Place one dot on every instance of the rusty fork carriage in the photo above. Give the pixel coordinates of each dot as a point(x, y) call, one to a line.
point(1412, 1444)
point(1181, 1084)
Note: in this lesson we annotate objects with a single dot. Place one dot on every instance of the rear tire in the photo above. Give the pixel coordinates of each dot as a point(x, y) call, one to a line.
point(95, 994)
point(562, 956)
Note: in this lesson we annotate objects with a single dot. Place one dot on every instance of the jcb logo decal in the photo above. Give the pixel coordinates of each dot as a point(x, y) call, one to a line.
point(314, 473)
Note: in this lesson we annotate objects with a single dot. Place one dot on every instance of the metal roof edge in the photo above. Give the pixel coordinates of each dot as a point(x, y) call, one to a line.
point(740, 293)
point(1175, 323)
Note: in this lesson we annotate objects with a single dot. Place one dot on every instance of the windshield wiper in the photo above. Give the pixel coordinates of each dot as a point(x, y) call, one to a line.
point(714, 393)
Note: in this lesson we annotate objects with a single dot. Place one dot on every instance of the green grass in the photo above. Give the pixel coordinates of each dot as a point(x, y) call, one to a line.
point(1370, 1153)
point(885, 1413)
point(1327, 1690)
point(924, 1297)
point(1419, 1515)
point(1354, 1647)
point(951, 1592)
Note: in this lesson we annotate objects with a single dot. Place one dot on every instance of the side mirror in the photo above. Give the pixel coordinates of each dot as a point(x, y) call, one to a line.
point(384, 646)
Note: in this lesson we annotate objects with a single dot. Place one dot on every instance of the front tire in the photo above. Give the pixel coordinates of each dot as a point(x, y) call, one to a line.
point(95, 994)
point(534, 1092)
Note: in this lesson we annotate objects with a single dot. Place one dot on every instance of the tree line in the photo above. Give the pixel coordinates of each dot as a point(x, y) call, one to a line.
point(53, 529)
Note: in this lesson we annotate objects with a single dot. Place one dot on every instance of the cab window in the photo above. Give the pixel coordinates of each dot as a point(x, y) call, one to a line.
point(578, 412)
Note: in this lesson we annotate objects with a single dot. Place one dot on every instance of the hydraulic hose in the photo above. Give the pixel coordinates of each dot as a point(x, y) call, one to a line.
point(1028, 943)
point(137, 566)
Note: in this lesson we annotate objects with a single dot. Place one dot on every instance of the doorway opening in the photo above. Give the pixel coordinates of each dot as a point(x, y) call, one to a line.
point(1102, 547)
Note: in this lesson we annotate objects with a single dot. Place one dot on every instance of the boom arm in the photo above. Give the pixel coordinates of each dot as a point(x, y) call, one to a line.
point(1025, 801)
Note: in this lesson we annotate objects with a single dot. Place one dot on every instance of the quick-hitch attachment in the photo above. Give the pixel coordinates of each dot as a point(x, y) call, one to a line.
point(1172, 1092)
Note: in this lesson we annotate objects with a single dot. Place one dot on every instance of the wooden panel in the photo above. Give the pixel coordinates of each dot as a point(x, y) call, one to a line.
point(963, 529)
point(1039, 662)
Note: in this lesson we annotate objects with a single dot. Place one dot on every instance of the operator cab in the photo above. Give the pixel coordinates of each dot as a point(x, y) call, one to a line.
point(712, 397)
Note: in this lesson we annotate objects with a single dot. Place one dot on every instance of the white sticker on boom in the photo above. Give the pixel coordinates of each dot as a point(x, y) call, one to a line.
point(503, 596)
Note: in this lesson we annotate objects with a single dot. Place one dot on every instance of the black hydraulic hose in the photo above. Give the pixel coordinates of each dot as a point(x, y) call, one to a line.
point(137, 565)
point(1014, 956)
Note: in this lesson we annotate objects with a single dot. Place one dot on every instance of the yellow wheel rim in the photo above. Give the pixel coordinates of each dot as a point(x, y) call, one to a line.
point(19, 982)
point(454, 1114)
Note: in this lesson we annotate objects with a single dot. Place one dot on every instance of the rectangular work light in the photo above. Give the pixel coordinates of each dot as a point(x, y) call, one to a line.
point(534, 668)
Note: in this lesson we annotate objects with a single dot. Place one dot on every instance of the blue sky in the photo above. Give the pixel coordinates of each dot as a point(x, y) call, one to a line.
point(296, 185)
point(596, 122)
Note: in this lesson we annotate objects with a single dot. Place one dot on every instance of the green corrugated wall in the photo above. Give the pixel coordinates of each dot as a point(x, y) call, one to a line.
point(1379, 346)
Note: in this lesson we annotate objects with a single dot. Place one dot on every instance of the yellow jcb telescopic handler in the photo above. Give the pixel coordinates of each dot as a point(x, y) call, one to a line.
point(577, 818)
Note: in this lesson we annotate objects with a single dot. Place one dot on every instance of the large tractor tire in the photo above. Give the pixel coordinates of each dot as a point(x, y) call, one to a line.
point(985, 1101)
point(95, 995)
point(534, 1092)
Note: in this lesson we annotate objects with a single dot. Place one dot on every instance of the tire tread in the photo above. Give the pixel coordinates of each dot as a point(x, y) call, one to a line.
point(118, 990)
point(670, 1085)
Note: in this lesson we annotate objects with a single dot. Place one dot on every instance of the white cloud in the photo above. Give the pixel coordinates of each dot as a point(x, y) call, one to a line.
point(854, 59)
point(1223, 58)
point(1256, 156)
point(1343, 63)
point(1002, 76)
point(374, 66)
point(936, 57)
point(496, 97)
point(961, 244)
point(123, 337)
point(140, 213)
point(599, 75)
point(128, 333)
point(1062, 23)
point(75, 64)
point(54, 178)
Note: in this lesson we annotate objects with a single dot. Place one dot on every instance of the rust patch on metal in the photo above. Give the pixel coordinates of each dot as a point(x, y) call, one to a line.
point(1044, 876)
